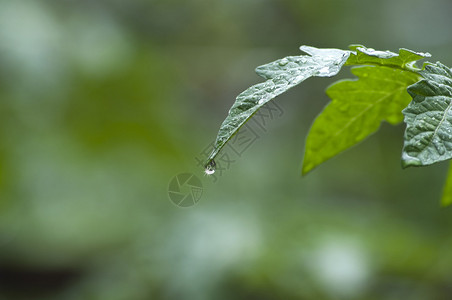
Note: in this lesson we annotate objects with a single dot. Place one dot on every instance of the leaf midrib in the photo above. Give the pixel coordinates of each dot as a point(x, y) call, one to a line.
point(430, 143)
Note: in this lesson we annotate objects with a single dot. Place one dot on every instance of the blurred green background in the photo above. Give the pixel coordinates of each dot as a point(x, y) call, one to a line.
point(103, 102)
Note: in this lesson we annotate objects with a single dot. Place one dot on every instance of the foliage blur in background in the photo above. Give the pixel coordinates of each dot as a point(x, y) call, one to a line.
point(103, 102)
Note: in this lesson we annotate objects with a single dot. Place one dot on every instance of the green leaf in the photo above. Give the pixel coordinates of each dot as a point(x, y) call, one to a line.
point(428, 136)
point(446, 200)
point(356, 111)
point(406, 59)
point(281, 75)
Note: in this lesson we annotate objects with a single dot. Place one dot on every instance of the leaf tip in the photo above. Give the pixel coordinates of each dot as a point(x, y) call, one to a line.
point(307, 167)
point(410, 161)
point(446, 201)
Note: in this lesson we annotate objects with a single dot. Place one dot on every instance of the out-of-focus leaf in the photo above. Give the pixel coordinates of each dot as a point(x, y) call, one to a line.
point(428, 136)
point(281, 75)
point(446, 200)
point(406, 59)
point(356, 111)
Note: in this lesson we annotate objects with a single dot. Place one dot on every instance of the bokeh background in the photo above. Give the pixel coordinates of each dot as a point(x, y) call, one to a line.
point(103, 102)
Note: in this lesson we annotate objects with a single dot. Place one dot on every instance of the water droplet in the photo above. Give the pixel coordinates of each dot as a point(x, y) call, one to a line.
point(210, 167)
point(283, 62)
point(261, 101)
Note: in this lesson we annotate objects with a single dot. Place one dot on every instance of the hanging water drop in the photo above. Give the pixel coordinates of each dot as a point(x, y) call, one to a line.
point(209, 171)
point(210, 167)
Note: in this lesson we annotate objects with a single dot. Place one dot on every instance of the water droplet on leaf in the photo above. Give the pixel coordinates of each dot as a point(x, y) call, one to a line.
point(324, 71)
point(210, 167)
point(283, 62)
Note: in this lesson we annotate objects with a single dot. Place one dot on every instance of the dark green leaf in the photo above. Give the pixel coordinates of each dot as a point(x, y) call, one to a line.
point(281, 75)
point(428, 136)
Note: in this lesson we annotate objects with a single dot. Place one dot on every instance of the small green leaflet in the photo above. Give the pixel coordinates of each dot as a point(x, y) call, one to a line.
point(356, 111)
point(428, 136)
point(281, 75)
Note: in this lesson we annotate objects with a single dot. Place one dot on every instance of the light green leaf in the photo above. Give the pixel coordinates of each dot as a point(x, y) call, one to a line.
point(406, 59)
point(356, 111)
point(446, 200)
point(281, 75)
point(428, 136)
